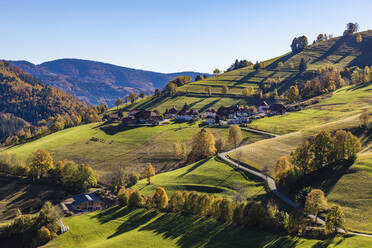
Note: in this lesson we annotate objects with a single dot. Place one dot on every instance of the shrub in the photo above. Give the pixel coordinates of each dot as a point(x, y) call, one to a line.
point(43, 236)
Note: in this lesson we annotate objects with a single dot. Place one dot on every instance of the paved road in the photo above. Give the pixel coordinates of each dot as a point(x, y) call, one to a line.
point(271, 182)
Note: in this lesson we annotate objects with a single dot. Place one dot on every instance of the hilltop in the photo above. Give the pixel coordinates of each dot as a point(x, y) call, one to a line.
point(278, 73)
point(96, 82)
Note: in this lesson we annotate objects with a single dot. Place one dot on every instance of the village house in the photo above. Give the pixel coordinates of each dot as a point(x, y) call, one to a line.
point(187, 115)
point(277, 109)
point(227, 112)
point(141, 116)
point(87, 202)
point(209, 113)
point(112, 117)
point(171, 113)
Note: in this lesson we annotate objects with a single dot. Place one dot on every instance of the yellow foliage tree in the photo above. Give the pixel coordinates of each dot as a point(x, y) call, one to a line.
point(225, 90)
point(203, 145)
point(235, 135)
point(315, 202)
point(148, 172)
point(40, 162)
point(160, 198)
point(282, 165)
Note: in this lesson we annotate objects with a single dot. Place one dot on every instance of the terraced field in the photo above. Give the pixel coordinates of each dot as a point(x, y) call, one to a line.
point(339, 52)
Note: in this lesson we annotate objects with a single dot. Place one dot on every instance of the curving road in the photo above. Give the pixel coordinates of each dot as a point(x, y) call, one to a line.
point(271, 182)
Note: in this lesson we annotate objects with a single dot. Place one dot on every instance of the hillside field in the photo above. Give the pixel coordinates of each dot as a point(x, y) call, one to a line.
point(348, 187)
point(103, 146)
point(206, 176)
point(118, 227)
point(340, 52)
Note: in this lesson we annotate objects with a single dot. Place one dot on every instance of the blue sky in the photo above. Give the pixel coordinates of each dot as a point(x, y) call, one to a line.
point(168, 35)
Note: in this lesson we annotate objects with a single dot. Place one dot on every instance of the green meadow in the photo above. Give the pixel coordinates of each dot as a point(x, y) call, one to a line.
point(103, 146)
point(207, 176)
point(121, 227)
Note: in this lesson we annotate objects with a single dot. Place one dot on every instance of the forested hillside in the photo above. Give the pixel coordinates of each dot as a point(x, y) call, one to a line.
point(28, 98)
point(96, 82)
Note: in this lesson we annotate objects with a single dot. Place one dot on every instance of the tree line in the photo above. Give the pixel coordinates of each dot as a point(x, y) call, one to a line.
point(73, 177)
point(322, 150)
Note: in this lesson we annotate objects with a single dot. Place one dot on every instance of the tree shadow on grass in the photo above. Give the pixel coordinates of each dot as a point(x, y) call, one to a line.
point(136, 219)
point(114, 129)
point(194, 167)
point(327, 177)
point(199, 232)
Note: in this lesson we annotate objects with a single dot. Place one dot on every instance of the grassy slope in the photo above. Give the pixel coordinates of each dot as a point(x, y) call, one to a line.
point(117, 227)
point(210, 176)
point(353, 190)
point(129, 147)
point(340, 52)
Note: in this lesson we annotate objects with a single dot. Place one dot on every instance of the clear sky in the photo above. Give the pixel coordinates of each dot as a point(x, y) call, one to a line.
point(168, 35)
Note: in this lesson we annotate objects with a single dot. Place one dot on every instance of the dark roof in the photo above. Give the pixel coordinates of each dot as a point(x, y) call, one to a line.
point(81, 198)
point(277, 107)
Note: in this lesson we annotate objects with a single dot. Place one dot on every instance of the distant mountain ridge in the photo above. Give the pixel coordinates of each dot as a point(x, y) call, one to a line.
point(97, 82)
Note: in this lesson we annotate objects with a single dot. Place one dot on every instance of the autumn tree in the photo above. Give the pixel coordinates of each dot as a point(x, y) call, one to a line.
point(148, 172)
point(132, 97)
point(216, 71)
point(170, 89)
point(247, 91)
point(226, 210)
point(299, 43)
point(208, 90)
point(359, 38)
point(203, 146)
point(235, 135)
point(282, 165)
point(291, 66)
point(366, 75)
point(118, 102)
point(220, 144)
point(160, 198)
point(335, 218)
point(364, 119)
point(351, 28)
point(315, 202)
point(176, 202)
point(322, 148)
point(302, 156)
point(123, 196)
point(280, 65)
point(177, 149)
point(40, 162)
point(224, 90)
point(135, 200)
point(142, 95)
point(293, 94)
